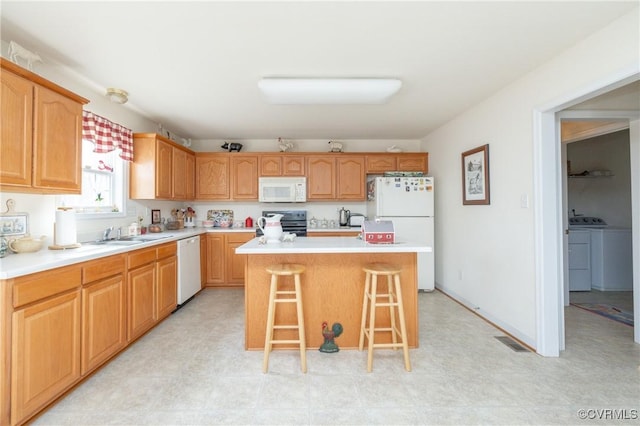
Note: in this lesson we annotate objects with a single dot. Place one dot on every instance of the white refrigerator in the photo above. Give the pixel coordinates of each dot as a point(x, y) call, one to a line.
point(408, 203)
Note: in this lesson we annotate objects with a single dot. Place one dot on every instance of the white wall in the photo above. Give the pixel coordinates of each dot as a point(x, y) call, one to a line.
point(485, 254)
point(607, 197)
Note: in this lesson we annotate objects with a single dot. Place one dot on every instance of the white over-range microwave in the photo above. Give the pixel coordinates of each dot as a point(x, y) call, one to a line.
point(282, 189)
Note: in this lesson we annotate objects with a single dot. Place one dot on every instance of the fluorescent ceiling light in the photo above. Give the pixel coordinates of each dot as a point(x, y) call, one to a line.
point(309, 91)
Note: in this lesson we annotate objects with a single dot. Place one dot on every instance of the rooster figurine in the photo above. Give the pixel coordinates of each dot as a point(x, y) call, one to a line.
point(329, 334)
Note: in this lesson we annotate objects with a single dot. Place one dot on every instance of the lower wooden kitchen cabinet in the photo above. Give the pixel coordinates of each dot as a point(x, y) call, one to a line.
point(104, 309)
point(60, 325)
point(45, 340)
point(167, 276)
point(152, 287)
point(224, 267)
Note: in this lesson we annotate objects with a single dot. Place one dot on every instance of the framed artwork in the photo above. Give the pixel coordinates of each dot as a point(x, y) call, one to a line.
point(475, 176)
point(155, 216)
point(14, 224)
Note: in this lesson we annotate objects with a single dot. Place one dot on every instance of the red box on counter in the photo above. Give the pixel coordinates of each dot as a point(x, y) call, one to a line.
point(378, 231)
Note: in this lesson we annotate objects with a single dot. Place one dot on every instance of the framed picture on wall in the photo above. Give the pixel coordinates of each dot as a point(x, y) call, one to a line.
point(155, 216)
point(475, 176)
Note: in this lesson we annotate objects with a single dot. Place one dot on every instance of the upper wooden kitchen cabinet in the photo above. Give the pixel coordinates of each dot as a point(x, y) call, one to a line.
point(351, 177)
point(282, 165)
point(413, 162)
point(406, 162)
point(321, 177)
point(159, 169)
point(212, 176)
point(335, 177)
point(244, 177)
point(41, 128)
point(191, 171)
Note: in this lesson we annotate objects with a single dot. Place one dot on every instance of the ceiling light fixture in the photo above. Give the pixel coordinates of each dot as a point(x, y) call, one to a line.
point(117, 96)
point(310, 91)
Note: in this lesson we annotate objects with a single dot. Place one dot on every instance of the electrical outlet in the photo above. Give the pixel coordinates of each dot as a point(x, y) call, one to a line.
point(460, 274)
point(524, 201)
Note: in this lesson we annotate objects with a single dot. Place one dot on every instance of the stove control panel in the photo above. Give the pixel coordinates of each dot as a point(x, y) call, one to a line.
point(587, 222)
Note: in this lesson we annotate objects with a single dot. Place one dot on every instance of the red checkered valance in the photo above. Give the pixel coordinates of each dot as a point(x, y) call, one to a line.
point(107, 135)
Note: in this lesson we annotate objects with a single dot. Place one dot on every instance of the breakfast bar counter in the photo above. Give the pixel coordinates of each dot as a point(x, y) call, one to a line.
point(332, 286)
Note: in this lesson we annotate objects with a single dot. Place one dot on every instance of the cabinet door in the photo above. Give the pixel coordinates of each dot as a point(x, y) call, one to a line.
point(164, 170)
point(103, 321)
point(179, 191)
point(190, 176)
point(413, 162)
point(293, 165)
point(215, 258)
point(212, 177)
point(203, 260)
point(16, 108)
point(321, 180)
point(141, 300)
point(380, 163)
point(351, 178)
point(57, 150)
point(244, 172)
point(270, 165)
point(236, 262)
point(46, 353)
point(167, 274)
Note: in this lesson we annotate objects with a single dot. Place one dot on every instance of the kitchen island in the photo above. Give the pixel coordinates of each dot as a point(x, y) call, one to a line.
point(332, 286)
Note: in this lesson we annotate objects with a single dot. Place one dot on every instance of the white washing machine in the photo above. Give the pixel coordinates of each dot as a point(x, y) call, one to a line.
point(599, 256)
point(611, 260)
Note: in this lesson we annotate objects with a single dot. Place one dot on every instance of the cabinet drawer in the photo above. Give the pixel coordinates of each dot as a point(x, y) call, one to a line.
point(102, 268)
point(142, 257)
point(42, 285)
point(167, 250)
point(239, 237)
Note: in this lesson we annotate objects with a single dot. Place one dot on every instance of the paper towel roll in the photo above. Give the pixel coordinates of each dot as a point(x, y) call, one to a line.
point(65, 227)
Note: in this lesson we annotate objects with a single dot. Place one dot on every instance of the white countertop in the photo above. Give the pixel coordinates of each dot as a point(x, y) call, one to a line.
point(19, 264)
point(340, 229)
point(329, 245)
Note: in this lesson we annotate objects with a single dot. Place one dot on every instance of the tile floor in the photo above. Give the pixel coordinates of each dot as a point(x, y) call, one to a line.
point(192, 369)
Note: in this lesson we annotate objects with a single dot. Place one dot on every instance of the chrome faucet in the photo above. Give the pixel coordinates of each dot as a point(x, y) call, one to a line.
point(107, 232)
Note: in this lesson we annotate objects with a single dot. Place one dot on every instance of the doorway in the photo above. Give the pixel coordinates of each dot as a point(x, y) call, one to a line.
point(550, 219)
point(599, 271)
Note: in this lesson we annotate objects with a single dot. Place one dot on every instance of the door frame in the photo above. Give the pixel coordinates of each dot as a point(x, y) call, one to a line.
point(550, 220)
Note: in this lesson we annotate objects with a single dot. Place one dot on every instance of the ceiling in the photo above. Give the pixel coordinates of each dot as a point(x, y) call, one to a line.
point(194, 66)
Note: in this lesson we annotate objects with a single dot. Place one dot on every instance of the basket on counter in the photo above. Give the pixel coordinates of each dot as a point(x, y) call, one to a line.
point(175, 224)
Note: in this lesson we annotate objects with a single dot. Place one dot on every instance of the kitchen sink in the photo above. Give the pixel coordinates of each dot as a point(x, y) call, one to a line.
point(130, 241)
point(123, 242)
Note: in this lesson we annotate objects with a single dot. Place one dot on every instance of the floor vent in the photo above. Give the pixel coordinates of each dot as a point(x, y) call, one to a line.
point(515, 346)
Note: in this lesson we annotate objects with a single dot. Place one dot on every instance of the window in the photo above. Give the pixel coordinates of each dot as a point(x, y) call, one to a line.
point(103, 184)
point(106, 149)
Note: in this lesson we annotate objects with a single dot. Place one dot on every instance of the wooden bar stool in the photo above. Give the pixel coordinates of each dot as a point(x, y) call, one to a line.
point(374, 299)
point(284, 296)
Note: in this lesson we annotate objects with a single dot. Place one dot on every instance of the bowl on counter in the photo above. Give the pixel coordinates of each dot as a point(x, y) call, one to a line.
point(26, 244)
point(155, 228)
point(207, 223)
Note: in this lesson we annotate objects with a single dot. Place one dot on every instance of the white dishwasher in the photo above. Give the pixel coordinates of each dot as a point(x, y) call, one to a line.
point(188, 268)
